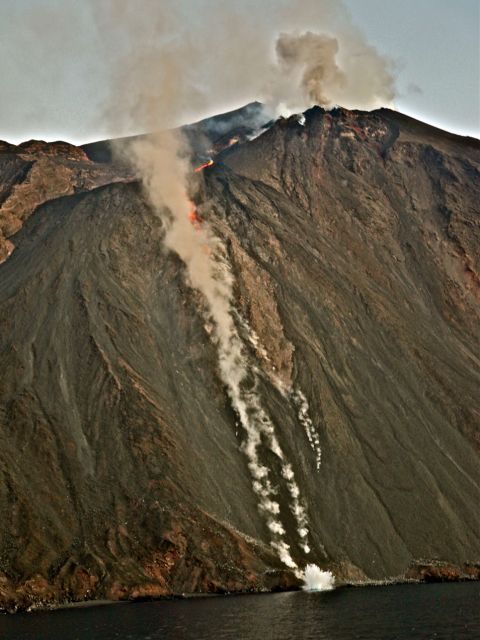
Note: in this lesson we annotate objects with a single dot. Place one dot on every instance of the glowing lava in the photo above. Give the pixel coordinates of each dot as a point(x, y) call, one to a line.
point(194, 217)
point(204, 166)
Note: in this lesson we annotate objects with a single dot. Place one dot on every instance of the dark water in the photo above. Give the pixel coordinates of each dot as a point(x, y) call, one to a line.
point(406, 611)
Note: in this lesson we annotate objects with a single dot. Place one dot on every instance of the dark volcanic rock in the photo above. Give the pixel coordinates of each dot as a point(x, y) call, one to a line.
point(442, 572)
point(205, 138)
point(35, 172)
point(354, 242)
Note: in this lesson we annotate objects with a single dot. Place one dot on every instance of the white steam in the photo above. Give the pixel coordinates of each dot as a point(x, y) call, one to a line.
point(317, 580)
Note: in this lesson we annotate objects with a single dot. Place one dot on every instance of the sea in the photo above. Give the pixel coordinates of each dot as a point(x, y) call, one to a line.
point(403, 612)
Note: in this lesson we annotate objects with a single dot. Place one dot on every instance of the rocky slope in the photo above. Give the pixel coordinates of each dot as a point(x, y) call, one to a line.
point(354, 243)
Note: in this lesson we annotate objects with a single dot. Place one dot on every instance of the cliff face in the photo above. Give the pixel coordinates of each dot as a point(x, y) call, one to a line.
point(354, 244)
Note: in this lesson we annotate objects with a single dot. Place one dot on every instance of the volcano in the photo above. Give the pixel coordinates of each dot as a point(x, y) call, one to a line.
point(353, 240)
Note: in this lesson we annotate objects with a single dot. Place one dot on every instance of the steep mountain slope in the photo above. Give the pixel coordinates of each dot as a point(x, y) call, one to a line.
point(353, 239)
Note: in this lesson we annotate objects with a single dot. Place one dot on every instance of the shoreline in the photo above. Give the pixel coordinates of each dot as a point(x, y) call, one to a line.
point(102, 602)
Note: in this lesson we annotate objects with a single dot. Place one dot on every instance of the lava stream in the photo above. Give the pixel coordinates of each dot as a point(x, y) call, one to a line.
point(204, 166)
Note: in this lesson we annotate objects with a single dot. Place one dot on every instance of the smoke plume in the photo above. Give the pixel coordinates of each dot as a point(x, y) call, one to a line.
point(177, 59)
point(313, 56)
point(321, 69)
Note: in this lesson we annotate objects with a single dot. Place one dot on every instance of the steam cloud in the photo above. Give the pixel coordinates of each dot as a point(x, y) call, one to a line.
point(317, 580)
point(166, 68)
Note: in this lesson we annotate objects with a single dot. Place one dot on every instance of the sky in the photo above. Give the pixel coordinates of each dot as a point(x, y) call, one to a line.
point(55, 62)
point(436, 46)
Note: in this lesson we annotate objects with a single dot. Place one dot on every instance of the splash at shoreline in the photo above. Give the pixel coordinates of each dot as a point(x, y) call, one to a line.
point(317, 580)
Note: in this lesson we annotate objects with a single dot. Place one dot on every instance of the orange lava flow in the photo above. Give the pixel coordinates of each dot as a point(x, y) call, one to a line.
point(204, 166)
point(197, 222)
point(193, 215)
point(194, 218)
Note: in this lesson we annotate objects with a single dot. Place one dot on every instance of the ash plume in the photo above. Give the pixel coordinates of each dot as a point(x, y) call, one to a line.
point(315, 68)
point(173, 62)
point(313, 57)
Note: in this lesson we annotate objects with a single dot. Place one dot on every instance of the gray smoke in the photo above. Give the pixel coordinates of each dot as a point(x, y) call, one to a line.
point(176, 60)
point(313, 56)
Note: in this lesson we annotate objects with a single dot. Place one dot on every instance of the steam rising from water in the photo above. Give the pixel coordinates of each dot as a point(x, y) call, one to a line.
point(317, 580)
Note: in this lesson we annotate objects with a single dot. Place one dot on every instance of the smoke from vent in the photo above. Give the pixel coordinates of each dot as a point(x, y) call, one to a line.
point(315, 68)
point(313, 57)
point(176, 60)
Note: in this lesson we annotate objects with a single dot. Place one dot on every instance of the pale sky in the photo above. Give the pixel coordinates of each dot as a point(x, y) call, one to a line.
point(55, 79)
point(436, 44)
